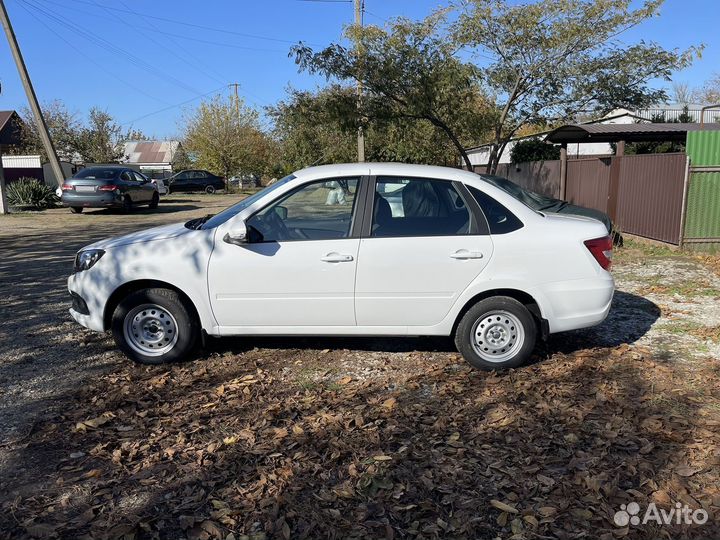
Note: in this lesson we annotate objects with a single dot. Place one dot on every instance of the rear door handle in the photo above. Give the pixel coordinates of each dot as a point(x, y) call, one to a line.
point(465, 254)
point(336, 258)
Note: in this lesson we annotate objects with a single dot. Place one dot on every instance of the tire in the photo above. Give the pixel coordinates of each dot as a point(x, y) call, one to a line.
point(155, 201)
point(155, 326)
point(209, 190)
point(127, 204)
point(76, 209)
point(496, 333)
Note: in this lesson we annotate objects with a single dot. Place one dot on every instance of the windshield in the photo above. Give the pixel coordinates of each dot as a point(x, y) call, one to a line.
point(97, 173)
point(235, 209)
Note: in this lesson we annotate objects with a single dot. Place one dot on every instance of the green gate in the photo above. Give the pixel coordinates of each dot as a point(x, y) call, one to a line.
point(702, 213)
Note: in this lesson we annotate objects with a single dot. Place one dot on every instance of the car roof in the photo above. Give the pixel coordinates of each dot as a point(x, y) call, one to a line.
point(391, 169)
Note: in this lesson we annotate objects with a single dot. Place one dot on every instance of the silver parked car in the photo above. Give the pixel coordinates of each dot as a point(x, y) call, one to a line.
point(108, 186)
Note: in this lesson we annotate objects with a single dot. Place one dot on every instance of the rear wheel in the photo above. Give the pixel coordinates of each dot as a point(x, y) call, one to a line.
point(496, 333)
point(76, 209)
point(209, 190)
point(155, 326)
point(127, 203)
point(155, 200)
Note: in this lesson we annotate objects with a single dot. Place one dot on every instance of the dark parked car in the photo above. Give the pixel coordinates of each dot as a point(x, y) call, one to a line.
point(195, 180)
point(108, 186)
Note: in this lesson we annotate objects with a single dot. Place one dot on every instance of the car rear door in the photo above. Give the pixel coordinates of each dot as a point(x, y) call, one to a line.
point(424, 242)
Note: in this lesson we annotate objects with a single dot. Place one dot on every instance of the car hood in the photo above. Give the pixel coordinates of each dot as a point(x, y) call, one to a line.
point(148, 235)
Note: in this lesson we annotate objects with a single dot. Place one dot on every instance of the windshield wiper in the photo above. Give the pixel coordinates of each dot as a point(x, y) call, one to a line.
point(196, 223)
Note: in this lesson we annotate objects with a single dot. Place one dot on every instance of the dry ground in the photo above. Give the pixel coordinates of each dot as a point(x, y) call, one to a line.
point(367, 438)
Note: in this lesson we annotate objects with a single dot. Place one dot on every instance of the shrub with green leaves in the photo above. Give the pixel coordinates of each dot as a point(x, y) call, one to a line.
point(31, 193)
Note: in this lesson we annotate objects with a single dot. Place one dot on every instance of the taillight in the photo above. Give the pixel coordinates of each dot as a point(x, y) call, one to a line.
point(601, 249)
point(111, 187)
point(67, 187)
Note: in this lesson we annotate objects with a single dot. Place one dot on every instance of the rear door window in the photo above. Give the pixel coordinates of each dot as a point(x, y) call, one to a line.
point(418, 207)
point(500, 219)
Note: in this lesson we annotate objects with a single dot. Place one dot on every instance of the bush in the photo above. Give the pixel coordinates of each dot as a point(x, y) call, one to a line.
point(31, 193)
point(533, 150)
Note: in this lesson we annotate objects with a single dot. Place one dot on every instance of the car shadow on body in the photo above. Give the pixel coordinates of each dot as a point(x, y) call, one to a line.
point(630, 318)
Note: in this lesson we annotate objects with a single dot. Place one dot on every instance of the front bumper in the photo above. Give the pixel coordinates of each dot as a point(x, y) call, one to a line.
point(86, 312)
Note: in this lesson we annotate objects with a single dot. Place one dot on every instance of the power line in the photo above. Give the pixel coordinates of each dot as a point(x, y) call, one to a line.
point(169, 107)
point(195, 25)
point(108, 45)
point(158, 31)
point(92, 60)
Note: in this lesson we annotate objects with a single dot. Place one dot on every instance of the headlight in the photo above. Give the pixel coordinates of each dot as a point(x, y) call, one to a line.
point(87, 258)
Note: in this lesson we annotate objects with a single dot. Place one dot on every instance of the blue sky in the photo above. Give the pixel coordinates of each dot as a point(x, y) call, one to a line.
point(130, 58)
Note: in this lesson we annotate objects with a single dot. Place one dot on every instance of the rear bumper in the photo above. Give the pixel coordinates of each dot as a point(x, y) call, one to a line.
point(579, 303)
point(92, 200)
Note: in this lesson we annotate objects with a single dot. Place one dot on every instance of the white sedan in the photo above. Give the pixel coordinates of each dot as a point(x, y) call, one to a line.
point(406, 250)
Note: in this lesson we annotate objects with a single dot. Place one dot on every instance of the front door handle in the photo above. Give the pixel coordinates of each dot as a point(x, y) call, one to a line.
point(465, 254)
point(336, 258)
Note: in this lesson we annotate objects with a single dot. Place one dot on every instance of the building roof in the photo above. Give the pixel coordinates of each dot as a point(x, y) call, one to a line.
point(150, 152)
point(10, 123)
point(583, 133)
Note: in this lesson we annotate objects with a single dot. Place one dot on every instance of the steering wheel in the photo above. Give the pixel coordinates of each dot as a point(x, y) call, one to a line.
point(275, 227)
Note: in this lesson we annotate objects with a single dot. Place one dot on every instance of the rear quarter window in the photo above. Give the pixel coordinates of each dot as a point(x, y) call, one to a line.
point(500, 219)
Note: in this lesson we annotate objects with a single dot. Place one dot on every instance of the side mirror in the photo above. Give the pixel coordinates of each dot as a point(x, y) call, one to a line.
point(237, 235)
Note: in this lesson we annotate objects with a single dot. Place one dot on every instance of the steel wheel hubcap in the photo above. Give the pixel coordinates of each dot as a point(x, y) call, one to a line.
point(150, 330)
point(497, 336)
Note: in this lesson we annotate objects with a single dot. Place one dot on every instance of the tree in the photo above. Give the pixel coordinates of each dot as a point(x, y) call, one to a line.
point(224, 136)
point(709, 93)
point(101, 140)
point(533, 150)
point(551, 60)
point(409, 73)
point(321, 127)
point(63, 126)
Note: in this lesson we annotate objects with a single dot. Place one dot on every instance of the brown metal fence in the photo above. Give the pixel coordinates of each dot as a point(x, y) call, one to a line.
point(642, 194)
point(539, 176)
point(650, 195)
point(588, 182)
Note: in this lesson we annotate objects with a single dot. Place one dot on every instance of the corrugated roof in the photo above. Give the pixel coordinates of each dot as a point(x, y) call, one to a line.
point(150, 152)
point(578, 133)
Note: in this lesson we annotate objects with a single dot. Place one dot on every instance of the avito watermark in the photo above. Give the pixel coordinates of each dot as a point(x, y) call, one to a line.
point(679, 515)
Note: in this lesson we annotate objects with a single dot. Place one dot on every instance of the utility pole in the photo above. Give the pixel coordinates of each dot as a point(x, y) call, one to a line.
point(237, 98)
point(32, 98)
point(359, 9)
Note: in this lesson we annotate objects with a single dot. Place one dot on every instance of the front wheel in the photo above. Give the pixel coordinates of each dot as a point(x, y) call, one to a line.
point(210, 190)
point(155, 326)
point(155, 201)
point(496, 333)
point(76, 209)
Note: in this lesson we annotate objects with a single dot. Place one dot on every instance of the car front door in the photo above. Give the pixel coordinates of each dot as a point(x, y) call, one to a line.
point(299, 272)
point(424, 246)
point(145, 187)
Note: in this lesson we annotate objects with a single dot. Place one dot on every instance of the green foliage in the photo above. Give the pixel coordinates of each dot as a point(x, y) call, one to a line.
point(533, 150)
point(32, 193)
point(99, 140)
point(225, 137)
point(321, 127)
point(411, 76)
point(550, 60)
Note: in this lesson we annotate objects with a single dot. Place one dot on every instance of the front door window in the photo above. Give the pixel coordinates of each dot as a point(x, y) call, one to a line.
point(321, 210)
